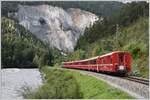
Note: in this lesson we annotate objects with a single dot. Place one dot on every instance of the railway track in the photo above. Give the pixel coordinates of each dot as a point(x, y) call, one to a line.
point(136, 87)
point(138, 80)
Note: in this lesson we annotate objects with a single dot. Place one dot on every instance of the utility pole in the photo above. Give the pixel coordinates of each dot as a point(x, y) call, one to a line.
point(117, 30)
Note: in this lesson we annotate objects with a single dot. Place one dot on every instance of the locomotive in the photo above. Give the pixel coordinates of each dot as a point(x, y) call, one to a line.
point(117, 62)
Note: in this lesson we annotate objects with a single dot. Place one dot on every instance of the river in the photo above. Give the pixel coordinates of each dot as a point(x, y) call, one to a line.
point(12, 81)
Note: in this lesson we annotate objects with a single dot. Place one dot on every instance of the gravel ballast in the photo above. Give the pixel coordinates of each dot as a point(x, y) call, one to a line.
point(137, 90)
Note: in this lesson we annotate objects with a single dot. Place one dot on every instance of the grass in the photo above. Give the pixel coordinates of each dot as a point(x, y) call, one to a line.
point(57, 85)
point(64, 84)
point(93, 88)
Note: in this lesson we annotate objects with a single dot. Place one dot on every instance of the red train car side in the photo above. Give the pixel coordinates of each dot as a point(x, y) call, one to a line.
point(114, 62)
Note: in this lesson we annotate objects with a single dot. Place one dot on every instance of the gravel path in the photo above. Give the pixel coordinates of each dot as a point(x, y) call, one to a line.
point(137, 90)
point(13, 80)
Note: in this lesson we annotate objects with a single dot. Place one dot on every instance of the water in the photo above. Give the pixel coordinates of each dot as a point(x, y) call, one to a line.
point(13, 79)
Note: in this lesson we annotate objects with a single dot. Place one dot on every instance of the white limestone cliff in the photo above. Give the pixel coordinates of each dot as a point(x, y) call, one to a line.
point(58, 27)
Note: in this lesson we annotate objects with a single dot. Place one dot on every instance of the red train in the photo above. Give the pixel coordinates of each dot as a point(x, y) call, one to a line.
point(118, 62)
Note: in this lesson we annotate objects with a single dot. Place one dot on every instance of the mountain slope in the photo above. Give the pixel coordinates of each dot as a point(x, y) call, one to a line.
point(133, 38)
point(20, 48)
point(100, 8)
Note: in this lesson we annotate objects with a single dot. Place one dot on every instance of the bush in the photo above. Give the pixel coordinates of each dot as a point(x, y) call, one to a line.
point(132, 11)
point(136, 49)
point(58, 85)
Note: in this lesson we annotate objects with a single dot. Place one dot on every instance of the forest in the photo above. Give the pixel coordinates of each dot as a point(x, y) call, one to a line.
point(100, 8)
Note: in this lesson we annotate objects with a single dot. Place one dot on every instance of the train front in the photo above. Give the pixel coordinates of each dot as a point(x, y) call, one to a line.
point(122, 62)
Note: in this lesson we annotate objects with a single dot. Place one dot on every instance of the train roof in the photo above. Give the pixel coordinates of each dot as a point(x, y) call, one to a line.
point(95, 57)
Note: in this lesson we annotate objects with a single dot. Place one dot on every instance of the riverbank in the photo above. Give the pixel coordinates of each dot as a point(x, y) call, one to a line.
point(65, 84)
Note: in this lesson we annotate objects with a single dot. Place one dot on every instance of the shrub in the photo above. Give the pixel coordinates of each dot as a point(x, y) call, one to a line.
point(58, 85)
point(137, 49)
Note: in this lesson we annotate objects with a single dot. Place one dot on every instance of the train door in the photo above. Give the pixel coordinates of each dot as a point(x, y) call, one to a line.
point(98, 63)
point(115, 61)
point(118, 60)
point(124, 62)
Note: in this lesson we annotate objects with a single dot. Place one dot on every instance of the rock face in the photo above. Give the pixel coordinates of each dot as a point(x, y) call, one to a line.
point(54, 25)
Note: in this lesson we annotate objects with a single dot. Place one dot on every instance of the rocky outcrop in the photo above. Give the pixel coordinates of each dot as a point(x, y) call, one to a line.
point(54, 25)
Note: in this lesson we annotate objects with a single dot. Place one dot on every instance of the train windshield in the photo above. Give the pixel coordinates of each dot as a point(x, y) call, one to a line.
point(121, 58)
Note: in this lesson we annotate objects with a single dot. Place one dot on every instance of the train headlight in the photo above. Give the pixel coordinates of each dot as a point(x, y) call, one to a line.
point(121, 67)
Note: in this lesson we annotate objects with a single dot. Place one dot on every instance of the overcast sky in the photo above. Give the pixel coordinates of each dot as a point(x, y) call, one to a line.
point(126, 1)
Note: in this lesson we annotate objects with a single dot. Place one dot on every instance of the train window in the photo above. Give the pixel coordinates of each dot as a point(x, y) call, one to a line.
point(103, 61)
point(121, 57)
point(110, 60)
point(86, 62)
point(93, 62)
point(107, 59)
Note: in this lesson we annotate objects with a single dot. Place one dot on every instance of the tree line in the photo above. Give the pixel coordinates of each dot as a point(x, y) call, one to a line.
point(20, 48)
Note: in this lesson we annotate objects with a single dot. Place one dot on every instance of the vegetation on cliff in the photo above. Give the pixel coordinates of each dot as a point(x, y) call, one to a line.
point(126, 31)
point(22, 49)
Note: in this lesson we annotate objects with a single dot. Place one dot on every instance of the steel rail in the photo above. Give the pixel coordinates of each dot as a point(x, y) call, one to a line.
point(138, 80)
